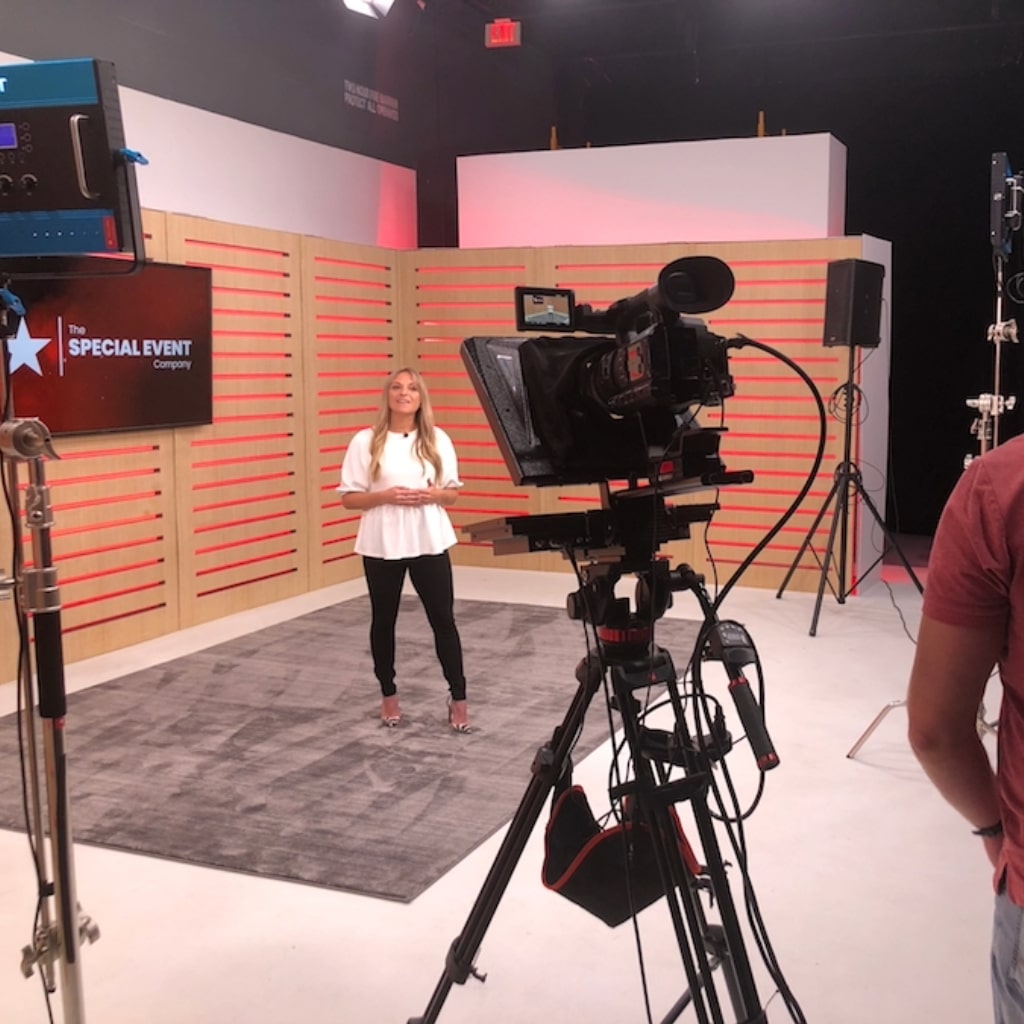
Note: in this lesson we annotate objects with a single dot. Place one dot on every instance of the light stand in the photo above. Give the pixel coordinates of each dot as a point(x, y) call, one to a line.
point(1005, 215)
point(847, 485)
point(60, 928)
point(1006, 211)
point(631, 666)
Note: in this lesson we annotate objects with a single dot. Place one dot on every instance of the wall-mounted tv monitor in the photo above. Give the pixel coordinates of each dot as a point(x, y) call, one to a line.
point(114, 352)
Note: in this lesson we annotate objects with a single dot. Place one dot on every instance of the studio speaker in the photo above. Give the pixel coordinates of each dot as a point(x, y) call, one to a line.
point(853, 303)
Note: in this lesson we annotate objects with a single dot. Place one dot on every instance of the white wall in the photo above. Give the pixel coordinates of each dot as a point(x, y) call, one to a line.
point(780, 187)
point(208, 165)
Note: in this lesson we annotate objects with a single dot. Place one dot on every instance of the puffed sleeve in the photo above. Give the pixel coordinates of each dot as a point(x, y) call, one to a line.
point(355, 470)
point(449, 462)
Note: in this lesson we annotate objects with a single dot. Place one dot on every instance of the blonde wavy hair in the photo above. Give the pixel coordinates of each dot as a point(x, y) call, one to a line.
point(426, 442)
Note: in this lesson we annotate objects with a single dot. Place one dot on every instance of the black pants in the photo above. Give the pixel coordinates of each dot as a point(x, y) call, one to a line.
point(431, 577)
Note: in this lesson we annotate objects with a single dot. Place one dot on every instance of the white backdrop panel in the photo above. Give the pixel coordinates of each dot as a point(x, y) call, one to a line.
point(774, 188)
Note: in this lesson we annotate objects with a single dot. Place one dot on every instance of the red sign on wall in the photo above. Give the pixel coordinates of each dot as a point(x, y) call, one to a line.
point(502, 32)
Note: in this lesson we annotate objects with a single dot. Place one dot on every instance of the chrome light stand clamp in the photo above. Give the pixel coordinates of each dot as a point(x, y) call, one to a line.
point(60, 926)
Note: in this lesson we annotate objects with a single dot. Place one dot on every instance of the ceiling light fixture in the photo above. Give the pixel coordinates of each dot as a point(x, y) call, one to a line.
point(371, 8)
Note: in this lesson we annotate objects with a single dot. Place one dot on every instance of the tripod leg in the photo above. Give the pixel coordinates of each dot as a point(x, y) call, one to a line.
point(841, 491)
point(809, 538)
point(889, 538)
point(547, 767)
point(654, 811)
point(655, 798)
point(866, 735)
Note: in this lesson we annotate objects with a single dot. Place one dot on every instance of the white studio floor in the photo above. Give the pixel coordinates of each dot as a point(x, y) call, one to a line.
point(875, 895)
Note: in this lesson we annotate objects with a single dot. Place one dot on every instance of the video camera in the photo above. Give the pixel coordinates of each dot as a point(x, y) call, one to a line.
point(581, 410)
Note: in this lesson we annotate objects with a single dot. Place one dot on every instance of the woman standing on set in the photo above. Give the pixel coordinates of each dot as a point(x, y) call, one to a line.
point(401, 473)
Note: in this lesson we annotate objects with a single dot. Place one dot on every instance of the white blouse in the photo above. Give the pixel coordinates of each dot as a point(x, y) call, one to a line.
point(400, 531)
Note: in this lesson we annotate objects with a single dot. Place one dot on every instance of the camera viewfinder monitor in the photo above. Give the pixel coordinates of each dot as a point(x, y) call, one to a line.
point(545, 309)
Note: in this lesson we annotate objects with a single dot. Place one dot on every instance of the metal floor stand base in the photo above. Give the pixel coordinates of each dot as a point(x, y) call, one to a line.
point(985, 727)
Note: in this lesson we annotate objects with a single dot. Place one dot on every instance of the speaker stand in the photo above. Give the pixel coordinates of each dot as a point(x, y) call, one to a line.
point(847, 483)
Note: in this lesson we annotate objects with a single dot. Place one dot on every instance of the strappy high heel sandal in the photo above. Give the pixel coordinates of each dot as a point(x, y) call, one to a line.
point(390, 713)
point(458, 716)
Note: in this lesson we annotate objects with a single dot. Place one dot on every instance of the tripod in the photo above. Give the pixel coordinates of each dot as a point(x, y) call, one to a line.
point(633, 663)
point(847, 483)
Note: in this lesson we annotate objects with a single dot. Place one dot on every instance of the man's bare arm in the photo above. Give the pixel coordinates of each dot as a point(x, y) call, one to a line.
point(947, 684)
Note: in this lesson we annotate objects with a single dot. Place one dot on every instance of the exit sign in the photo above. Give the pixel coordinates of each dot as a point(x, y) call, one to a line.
point(502, 32)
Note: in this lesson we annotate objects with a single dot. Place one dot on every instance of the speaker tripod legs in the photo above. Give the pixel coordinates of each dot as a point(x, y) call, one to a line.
point(847, 485)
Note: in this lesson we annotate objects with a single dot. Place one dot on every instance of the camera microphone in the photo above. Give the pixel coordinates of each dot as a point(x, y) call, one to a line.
point(730, 643)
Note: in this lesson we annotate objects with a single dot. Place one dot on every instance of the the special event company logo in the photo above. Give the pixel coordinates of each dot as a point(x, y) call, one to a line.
point(77, 342)
point(362, 97)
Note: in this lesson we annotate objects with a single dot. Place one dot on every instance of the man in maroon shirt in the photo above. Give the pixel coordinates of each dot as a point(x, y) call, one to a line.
point(972, 619)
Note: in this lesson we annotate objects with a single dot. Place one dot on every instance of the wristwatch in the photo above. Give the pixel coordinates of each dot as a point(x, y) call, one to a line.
point(989, 830)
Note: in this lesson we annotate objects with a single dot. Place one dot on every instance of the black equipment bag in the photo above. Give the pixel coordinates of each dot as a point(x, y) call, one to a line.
point(610, 872)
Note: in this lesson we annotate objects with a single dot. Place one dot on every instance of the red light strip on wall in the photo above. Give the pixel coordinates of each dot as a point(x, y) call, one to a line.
point(262, 397)
point(230, 268)
point(208, 243)
point(348, 411)
point(808, 261)
point(239, 461)
point(106, 453)
point(332, 261)
point(261, 354)
point(786, 418)
point(240, 501)
point(230, 566)
point(489, 286)
point(230, 524)
point(356, 282)
point(111, 524)
point(458, 304)
point(339, 318)
point(93, 623)
point(208, 442)
point(243, 542)
point(241, 480)
point(477, 269)
point(287, 571)
point(252, 314)
point(258, 293)
point(370, 338)
point(254, 417)
point(223, 332)
point(118, 570)
point(121, 545)
point(92, 478)
point(117, 499)
point(268, 375)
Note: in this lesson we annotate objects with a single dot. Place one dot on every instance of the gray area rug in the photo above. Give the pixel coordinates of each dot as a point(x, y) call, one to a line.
point(265, 754)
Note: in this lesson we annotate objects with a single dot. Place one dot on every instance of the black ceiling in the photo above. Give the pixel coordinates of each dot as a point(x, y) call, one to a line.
point(622, 38)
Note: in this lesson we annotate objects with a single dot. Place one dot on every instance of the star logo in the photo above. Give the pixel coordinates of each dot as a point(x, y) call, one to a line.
point(25, 349)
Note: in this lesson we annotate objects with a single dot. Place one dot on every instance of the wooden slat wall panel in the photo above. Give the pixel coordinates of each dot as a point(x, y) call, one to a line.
point(241, 483)
point(350, 309)
point(113, 539)
point(446, 297)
